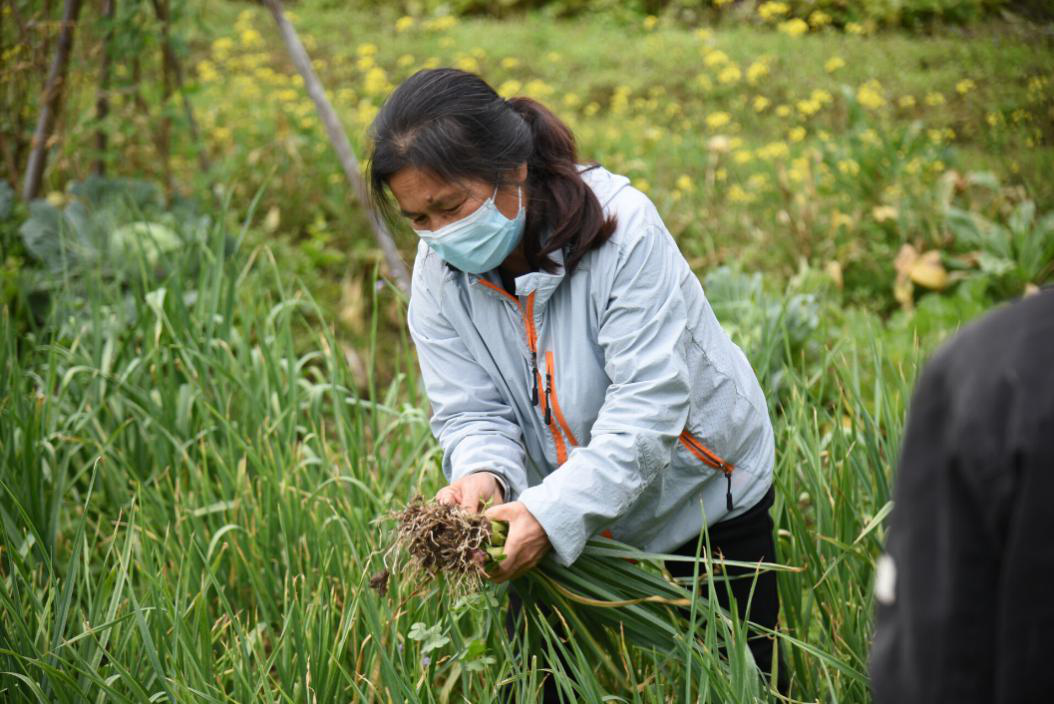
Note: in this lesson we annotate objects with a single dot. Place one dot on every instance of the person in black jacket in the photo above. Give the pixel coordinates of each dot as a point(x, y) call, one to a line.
point(965, 591)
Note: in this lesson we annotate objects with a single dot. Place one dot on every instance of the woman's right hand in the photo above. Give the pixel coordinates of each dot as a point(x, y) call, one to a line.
point(472, 491)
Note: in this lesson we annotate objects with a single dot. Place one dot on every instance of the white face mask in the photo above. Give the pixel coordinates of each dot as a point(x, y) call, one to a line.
point(481, 240)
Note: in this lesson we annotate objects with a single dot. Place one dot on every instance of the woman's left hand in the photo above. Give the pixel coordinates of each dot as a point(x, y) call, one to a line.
point(526, 543)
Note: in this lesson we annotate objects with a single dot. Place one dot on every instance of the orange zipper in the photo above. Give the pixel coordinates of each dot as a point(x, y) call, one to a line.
point(556, 403)
point(550, 403)
point(708, 457)
point(527, 312)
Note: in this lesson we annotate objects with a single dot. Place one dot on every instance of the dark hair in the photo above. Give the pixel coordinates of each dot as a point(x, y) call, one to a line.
point(453, 124)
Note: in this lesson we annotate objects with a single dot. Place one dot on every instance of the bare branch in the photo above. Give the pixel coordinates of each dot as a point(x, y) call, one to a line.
point(51, 101)
point(340, 143)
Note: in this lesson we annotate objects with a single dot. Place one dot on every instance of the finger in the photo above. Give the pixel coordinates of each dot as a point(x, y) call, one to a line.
point(448, 495)
point(470, 500)
point(501, 512)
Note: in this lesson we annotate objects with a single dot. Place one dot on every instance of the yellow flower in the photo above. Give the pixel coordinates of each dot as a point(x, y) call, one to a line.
point(870, 95)
point(620, 100)
point(821, 96)
point(641, 185)
point(729, 74)
point(808, 108)
point(553, 57)
point(771, 10)
point(869, 136)
point(223, 45)
point(743, 156)
point(906, 101)
point(572, 100)
point(849, 167)
point(376, 81)
point(756, 70)
point(510, 62)
point(760, 103)
point(405, 60)
point(964, 86)
point(703, 33)
point(757, 181)
point(365, 63)
point(714, 57)
point(366, 49)
point(933, 99)
point(819, 18)
point(684, 182)
point(207, 71)
point(799, 170)
point(796, 134)
point(441, 24)
point(935, 135)
point(467, 63)
point(510, 88)
point(251, 38)
point(704, 82)
point(404, 23)
point(650, 21)
point(717, 120)
point(795, 27)
point(783, 110)
point(736, 194)
point(773, 150)
point(839, 219)
point(833, 64)
point(591, 108)
point(854, 28)
point(993, 118)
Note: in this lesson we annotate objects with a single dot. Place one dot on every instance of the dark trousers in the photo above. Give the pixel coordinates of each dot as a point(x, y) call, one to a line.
point(745, 538)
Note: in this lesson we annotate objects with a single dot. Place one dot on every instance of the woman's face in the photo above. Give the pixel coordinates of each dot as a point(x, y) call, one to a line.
point(429, 203)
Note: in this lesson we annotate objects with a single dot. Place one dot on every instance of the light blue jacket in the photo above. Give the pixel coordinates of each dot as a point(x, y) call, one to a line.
point(645, 407)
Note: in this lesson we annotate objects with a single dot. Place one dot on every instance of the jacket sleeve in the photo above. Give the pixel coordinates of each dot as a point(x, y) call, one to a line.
point(472, 422)
point(645, 406)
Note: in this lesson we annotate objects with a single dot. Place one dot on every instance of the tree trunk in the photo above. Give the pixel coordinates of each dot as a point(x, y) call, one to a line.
point(340, 143)
point(51, 102)
point(172, 61)
point(164, 134)
point(102, 97)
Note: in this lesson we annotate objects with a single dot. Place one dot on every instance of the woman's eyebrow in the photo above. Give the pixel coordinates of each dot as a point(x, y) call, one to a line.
point(442, 201)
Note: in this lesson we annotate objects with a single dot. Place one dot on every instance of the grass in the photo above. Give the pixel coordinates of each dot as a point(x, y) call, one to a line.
point(192, 463)
point(188, 507)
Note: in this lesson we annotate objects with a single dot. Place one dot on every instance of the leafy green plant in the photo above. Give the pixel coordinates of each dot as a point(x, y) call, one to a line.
point(1012, 255)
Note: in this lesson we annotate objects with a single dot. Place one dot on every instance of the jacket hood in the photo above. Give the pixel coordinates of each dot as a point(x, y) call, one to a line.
point(604, 183)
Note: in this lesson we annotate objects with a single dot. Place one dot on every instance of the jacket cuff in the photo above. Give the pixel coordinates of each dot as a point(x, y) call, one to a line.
point(566, 534)
point(488, 453)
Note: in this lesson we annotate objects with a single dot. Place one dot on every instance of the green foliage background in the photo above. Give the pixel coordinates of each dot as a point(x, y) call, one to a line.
point(206, 391)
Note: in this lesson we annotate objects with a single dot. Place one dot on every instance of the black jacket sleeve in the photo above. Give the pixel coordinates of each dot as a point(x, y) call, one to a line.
point(968, 604)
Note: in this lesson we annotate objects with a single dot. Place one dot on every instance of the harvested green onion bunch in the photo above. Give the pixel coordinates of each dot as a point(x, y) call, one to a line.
point(612, 593)
point(446, 539)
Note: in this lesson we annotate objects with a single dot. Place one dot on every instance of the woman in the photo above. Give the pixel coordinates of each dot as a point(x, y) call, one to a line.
point(577, 375)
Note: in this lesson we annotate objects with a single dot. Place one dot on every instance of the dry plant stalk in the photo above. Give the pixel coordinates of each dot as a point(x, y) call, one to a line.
point(446, 539)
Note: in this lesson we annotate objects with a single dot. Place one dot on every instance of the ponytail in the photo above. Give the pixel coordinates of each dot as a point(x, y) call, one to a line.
point(453, 124)
point(563, 202)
